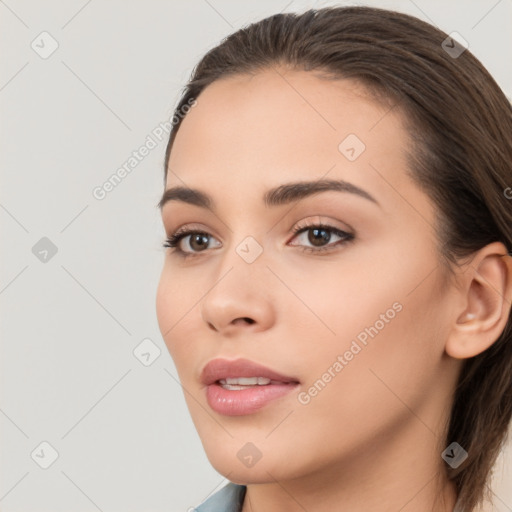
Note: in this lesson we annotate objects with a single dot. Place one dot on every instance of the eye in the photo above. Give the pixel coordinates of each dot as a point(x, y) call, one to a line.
point(319, 235)
point(198, 241)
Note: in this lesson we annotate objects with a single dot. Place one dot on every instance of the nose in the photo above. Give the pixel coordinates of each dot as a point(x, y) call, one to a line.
point(241, 299)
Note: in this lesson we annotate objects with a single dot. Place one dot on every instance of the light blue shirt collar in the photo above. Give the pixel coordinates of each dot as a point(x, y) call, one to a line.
point(229, 499)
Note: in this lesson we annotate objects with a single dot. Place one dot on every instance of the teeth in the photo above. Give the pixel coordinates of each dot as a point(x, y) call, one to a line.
point(245, 381)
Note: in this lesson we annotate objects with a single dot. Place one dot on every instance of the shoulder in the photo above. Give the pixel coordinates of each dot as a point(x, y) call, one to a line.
point(228, 499)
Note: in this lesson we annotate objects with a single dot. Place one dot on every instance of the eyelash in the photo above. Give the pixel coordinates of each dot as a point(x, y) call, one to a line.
point(174, 240)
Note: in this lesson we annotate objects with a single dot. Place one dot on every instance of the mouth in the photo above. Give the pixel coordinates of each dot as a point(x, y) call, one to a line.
point(237, 384)
point(239, 387)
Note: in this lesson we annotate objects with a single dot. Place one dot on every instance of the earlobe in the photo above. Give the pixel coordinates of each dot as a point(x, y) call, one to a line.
point(487, 290)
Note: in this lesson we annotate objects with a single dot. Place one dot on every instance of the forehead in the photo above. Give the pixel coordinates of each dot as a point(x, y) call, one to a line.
point(252, 132)
point(297, 105)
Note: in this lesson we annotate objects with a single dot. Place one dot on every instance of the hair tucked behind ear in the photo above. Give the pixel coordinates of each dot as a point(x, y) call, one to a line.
point(461, 126)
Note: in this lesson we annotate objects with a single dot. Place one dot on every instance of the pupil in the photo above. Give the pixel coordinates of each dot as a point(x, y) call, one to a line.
point(318, 238)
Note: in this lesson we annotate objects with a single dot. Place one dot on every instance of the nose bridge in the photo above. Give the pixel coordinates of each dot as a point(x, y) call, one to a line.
point(244, 263)
point(240, 288)
point(245, 242)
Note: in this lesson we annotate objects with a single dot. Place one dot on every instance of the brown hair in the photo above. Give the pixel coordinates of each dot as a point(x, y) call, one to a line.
point(461, 125)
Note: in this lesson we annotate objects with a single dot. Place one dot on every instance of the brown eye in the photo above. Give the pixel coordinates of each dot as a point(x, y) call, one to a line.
point(197, 242)
point(319, 236)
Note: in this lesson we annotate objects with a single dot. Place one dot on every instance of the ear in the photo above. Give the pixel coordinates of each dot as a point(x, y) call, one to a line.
point(486, 297)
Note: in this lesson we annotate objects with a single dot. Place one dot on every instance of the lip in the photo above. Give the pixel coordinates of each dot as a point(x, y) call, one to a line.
point(245, 401)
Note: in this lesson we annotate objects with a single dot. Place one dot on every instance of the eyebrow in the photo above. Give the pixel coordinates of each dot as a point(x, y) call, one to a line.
point(281, 195)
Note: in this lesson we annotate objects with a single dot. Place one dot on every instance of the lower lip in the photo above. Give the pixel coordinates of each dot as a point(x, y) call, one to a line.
point(244, 401)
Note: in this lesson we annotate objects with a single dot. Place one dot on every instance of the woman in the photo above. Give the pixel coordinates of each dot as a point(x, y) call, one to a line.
point(336, 294)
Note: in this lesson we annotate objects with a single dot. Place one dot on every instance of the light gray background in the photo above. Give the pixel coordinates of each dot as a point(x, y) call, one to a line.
point(69, 376)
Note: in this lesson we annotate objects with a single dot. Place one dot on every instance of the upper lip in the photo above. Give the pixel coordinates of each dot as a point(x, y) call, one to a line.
point(217, 369)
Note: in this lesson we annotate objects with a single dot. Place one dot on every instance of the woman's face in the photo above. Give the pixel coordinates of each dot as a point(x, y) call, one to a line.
point(356, 322)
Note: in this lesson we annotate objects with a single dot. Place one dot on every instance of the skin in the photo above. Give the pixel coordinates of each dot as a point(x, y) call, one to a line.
point(372, 438)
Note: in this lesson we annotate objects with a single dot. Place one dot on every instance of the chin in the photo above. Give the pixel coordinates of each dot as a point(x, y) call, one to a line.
point(237, 466)
point(258, 474)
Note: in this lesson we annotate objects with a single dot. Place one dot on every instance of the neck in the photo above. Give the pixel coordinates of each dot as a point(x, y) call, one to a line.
point(403, 472)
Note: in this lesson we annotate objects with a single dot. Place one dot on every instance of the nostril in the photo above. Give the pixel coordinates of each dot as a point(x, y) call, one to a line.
point(245, 319)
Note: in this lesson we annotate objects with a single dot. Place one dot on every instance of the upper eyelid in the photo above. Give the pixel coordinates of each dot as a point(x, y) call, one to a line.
point(310, 221)
point(325, 221)
point(190, 227)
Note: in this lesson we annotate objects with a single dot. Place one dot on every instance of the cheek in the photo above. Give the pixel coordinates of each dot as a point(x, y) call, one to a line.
point(391, 346)
point(179, 318)
point(338, 301)
point(374, 392)
point(386, 325)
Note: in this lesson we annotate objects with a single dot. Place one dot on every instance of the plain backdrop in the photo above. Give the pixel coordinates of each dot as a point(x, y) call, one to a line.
point(91, 415)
